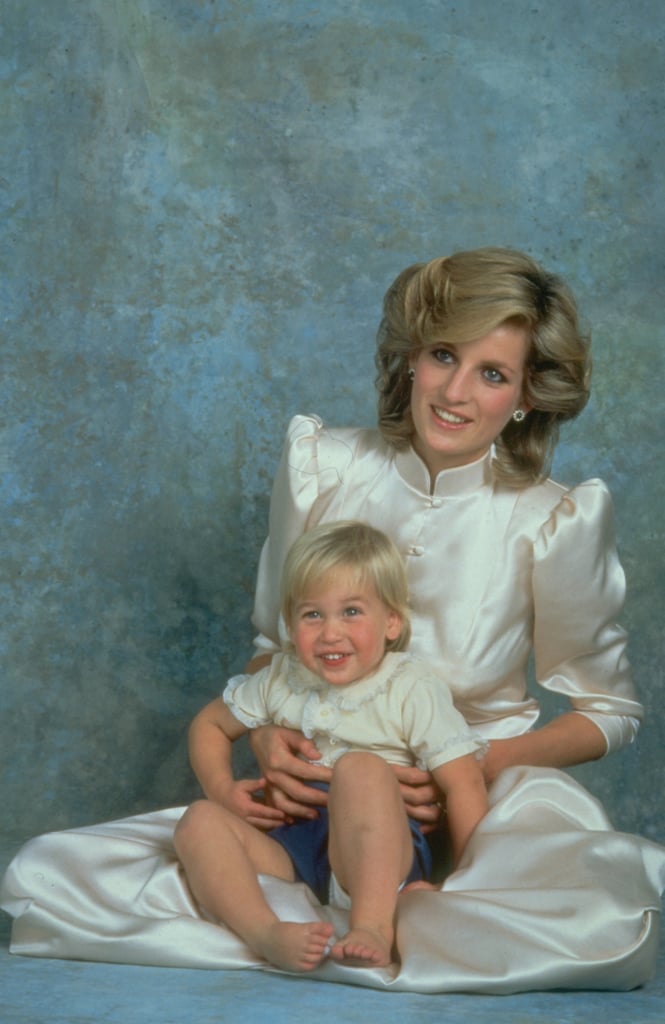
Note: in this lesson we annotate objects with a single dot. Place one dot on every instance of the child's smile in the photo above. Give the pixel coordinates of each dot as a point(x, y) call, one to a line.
point(340, 628)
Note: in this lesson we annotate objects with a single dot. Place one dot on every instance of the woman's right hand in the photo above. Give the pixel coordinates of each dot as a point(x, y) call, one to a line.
point(280, 754)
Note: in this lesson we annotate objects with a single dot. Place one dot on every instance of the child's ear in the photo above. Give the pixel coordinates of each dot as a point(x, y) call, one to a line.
point(394, 625)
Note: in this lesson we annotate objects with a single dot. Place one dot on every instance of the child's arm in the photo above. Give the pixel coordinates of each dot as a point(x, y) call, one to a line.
point(211, 737)
point(461, 781)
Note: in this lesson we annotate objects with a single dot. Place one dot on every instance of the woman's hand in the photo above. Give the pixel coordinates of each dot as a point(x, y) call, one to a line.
point(421, 796)
point(497, 757)
point(286, 774)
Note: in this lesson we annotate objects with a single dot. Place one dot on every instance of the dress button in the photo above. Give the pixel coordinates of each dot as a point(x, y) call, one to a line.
point(416, 549)
point(436, 503)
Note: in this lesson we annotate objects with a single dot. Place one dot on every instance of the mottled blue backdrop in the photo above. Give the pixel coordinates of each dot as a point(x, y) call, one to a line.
point(202, 205)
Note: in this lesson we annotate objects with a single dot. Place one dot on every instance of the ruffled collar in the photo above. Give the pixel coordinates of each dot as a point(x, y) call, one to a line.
point(353, 696)
point(449, 483)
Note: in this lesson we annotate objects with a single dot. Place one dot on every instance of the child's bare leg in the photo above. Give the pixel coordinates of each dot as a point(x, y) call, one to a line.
point(371, 852)
point(422, 885)
point(222, 856)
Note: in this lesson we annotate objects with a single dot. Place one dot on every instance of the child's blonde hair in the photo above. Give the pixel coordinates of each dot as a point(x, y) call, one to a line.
point(366, 552)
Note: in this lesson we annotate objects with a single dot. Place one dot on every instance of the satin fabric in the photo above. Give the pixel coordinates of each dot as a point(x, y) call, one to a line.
point(547, 896)
point(494, 574)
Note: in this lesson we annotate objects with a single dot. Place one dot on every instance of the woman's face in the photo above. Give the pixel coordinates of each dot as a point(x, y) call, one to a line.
point(463, 395)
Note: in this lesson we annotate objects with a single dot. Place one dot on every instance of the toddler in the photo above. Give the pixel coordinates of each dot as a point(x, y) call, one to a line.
point(347, 683)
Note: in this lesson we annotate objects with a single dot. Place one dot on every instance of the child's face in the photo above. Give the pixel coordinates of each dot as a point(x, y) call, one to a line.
point(340, 628)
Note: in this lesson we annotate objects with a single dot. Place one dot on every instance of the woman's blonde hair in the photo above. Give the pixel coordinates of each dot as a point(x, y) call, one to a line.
point(461, 298)
point(350, 546)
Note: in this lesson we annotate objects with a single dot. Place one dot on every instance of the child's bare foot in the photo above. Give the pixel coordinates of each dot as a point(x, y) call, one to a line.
point(363, 947)
point(295, 947)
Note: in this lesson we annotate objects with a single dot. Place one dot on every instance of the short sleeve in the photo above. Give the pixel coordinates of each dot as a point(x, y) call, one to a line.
point(244, 696)
point(434, 729)
point(578, 591)
point(311, 466)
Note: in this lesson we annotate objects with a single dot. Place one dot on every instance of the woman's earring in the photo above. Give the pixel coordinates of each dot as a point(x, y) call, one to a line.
point(519, 415)
point(412, 374)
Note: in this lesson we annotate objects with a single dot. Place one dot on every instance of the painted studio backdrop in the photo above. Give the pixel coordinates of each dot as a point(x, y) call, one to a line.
point(202, 205)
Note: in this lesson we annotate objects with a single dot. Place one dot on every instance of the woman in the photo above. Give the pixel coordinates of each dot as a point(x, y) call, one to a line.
point(480, 358)
point(533, 565)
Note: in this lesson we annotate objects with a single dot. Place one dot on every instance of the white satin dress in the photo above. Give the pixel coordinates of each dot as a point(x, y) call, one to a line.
point(548, 895)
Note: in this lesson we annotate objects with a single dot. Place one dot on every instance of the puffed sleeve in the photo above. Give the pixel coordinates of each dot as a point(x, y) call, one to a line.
point(244, 696)
point(311, 466)
point(435, 730)
point(579, 589)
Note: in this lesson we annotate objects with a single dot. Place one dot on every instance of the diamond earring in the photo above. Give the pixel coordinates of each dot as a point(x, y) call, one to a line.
point(519, 415)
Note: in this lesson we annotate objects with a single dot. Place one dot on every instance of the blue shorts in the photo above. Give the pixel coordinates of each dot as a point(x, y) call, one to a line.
point(306, 843)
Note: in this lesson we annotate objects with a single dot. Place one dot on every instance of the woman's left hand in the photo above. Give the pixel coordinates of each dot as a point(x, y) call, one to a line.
point(496, 759)
point(421, 797)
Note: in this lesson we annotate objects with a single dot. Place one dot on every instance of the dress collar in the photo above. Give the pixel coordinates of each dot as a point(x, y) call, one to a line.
point(353, 696)
point(449, 483)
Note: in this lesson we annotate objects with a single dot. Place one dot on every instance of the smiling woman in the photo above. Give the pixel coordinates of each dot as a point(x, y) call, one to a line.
point(464, 395)
point(461, 300)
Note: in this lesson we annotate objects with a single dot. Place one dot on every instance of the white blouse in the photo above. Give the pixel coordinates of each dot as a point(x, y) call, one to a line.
point(403, 711)
point(494, 574)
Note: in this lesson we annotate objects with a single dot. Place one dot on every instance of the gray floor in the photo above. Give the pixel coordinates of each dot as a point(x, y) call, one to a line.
point(35, 991)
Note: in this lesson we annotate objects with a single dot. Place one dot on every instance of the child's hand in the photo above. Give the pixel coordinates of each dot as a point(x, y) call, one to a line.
point(239, 797)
